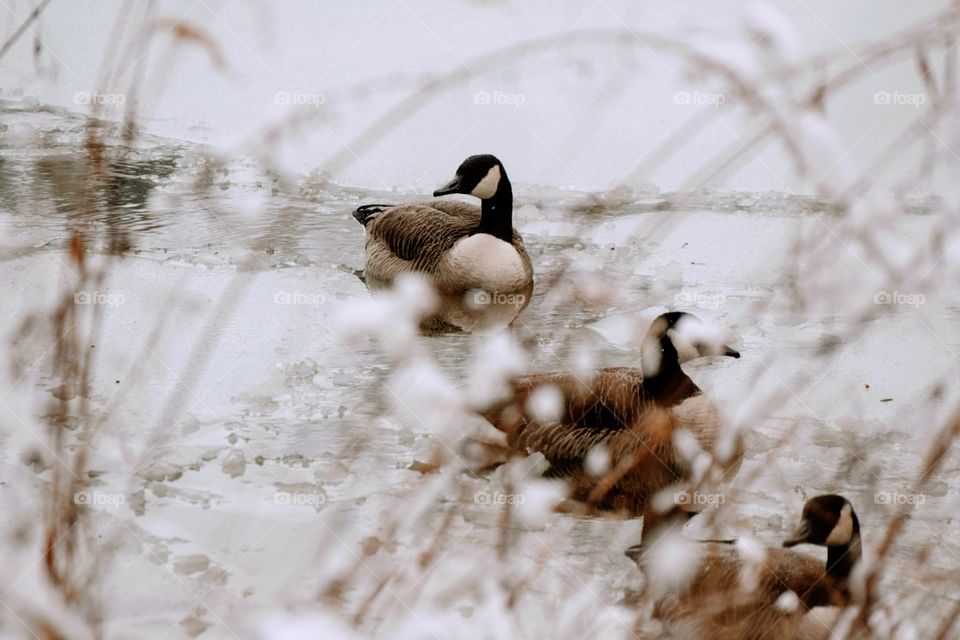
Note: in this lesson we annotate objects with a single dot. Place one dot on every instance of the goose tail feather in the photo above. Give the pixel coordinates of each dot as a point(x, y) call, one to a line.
point(365, 213)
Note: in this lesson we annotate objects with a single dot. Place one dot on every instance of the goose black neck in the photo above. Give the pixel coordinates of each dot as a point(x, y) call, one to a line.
point(841, 558)
point(496, 212)
point(667, 383)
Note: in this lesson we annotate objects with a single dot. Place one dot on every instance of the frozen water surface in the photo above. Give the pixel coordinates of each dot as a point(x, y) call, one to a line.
point(260, 422)
point(218, 357)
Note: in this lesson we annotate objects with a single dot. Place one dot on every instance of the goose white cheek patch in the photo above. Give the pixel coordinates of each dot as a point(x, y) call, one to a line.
point(488, 186)
point(843, 530)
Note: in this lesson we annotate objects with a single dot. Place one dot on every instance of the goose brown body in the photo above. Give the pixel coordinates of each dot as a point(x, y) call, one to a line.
point(419, 237)
point(717, 602)
point(633, 416)
point(714, 605)
point(473, 257)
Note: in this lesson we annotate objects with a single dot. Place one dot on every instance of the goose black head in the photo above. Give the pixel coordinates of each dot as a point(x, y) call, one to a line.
point(481, 176)
point(685, 334)
point(828, 521)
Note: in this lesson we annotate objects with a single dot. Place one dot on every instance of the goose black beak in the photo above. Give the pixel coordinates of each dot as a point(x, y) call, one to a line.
point(801, 535)
point(729, 351)
point(451, 187)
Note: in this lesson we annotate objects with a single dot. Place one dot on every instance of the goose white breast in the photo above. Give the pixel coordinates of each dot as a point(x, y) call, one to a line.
point(495, 264)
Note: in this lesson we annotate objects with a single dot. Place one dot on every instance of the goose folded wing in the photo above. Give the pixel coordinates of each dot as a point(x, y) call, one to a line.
point(605, 401)
point(419, 232)
point(722, 601)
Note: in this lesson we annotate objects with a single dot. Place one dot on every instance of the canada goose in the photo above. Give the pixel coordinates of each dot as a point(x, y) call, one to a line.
point(473, 256)
point(730, 597)
point(632, 413)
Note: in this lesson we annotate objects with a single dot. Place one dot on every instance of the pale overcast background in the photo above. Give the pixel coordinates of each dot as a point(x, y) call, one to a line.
point(576, 116)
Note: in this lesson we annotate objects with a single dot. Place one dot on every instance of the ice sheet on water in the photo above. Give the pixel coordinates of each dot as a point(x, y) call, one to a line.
point(392, 316)
point(20, 135)
point(626, 330)
point(291, 408)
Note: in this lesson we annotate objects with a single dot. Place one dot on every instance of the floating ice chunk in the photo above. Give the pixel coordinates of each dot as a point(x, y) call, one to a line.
point(137, 501)
point(35, 457)
point(234, 463)
point(161, 471)
point(186, 565)
point(21, 134)
point(193, 626)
